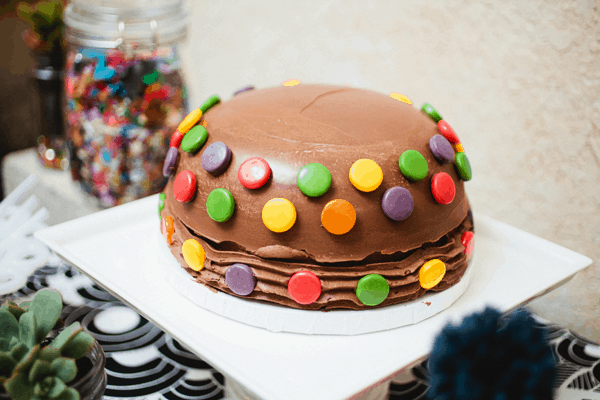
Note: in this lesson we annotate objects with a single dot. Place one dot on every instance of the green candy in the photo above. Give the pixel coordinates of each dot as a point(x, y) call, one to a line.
point(161, 202)
point(372, 289)
point(431, 112)
point(212, 101)
point(194, 139)
point(220, 205)
point(463, 166)
point(413, 165)
point(314, 180)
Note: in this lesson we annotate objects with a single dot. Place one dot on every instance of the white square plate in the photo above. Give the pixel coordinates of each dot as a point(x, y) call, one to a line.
point(116, 248)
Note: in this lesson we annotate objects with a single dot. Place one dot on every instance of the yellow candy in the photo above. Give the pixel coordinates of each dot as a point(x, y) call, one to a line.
point(400, 97)
point(431, 273)
point(366, 175)
point(458, 148)
point(279, 215)
point(193, 254)
point(291, 82)
point(190, 121)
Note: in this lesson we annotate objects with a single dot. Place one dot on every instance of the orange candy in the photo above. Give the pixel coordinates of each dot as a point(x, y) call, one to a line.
point(168, 228)
point(338, 217)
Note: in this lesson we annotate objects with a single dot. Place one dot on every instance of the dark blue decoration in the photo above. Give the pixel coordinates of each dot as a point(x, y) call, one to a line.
point(489, 357)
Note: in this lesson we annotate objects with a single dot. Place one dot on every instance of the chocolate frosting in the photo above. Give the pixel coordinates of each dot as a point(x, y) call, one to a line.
point(334, 126)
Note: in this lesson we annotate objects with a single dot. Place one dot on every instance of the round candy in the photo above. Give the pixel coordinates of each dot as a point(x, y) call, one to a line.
point(216, 158)
point(338, 217)
point(176, 139)
point(442, 188)
point(458, 148)
point(194, 139)
point(279, 215)
point(193, 254)
point(304, 287)
point(184, 186)
point(366, 175)
point(291, 82)
point(447, 131)
point(431, 273)
point(161, 202)
point(397, 203)
point(189, 121)
point(220, 205)
point(372, 289)
point(400, 97)
point(240, 279)
point(211, 102)
point(254, 173)
point(170, 161)
point(463, 166)
point(413, 165)
point(242, 90)
point(468, 240)
point(168, 228)
point(441, 149)
point(314, 180)
point(431, 112)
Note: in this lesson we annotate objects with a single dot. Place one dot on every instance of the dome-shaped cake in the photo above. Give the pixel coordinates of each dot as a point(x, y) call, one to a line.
point(318, 197)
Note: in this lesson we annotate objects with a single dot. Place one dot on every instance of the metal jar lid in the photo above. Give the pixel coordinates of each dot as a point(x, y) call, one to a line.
point(112, 23)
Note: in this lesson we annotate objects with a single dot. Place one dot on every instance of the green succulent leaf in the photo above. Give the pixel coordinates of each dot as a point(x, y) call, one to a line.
point(61, 341)
point(4, 344)
point(27, 325)
point(78, 345)
point(7, 363)
point(57, 388)
point(9, 325)
point(18, 387)
point(49, 354)
point(65, 369)
point(13, 308)
point(40, 370)
point(46, 305)
point(19, 351)
point(27, 361)
point(25, 305)
point(69, 394)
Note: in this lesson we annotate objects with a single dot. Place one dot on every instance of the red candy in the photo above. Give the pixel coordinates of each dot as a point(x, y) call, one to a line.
point(254, 173)
point(304, 287)
point(442, 188)
point(184, 186)
point(468, 240)
point(447, 132)
point(176, 139)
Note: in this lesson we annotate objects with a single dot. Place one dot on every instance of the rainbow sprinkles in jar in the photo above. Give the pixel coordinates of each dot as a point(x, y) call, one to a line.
point(318, 198)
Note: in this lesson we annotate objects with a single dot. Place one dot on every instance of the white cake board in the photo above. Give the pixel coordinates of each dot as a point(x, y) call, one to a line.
point(284, 319)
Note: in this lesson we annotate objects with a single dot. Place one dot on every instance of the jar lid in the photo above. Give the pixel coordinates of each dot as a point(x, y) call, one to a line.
point(110, 23)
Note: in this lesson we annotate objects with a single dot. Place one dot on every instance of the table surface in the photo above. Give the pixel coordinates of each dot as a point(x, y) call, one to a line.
point(114, 248)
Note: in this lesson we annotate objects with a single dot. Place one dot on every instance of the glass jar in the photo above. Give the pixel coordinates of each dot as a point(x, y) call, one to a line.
point(124, 93)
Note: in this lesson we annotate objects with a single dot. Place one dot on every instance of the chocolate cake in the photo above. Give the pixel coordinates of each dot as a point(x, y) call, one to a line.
point(318, 197)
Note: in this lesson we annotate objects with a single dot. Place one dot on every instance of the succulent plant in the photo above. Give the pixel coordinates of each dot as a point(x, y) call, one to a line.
point(29, 368)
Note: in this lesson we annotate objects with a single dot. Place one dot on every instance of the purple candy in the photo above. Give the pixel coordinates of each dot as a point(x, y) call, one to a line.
point(216, 158)
point(170, 162)
point(242, 90)
point(240, 279)
point(441, 149)
point(397, 203)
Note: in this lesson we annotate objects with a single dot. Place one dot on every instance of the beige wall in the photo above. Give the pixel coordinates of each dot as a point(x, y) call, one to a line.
point(518, 80)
